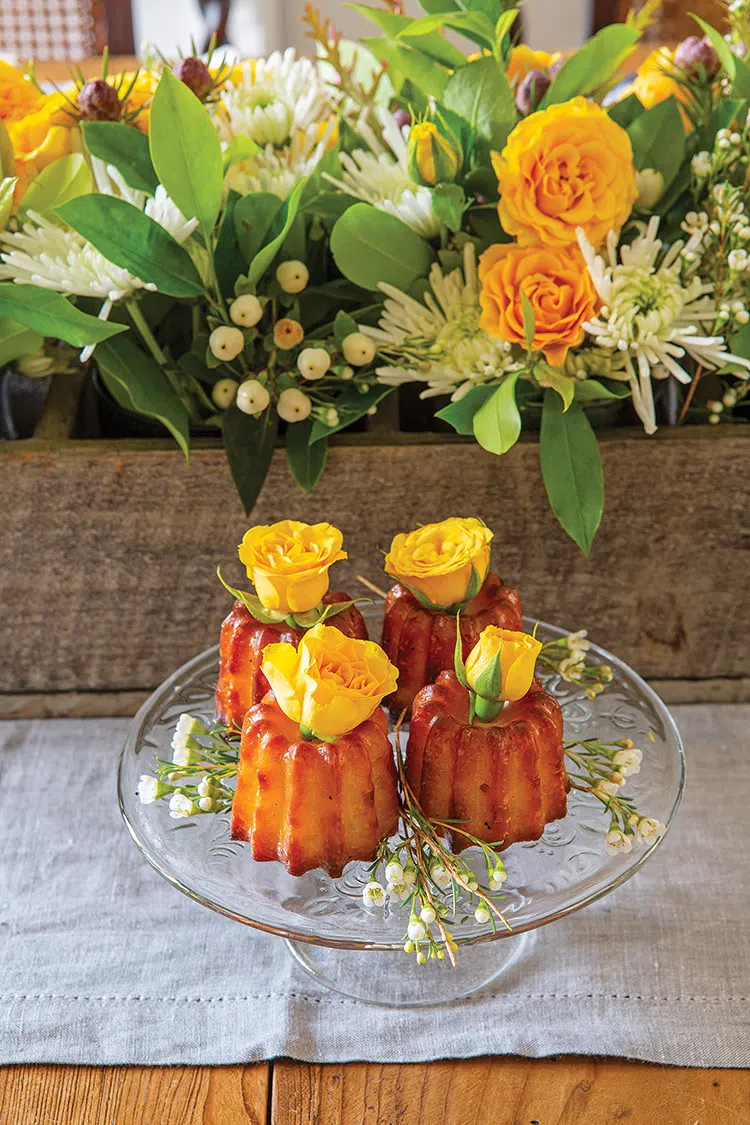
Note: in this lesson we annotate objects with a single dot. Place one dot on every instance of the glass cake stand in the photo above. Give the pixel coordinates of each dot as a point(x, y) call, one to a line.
point(324, 922)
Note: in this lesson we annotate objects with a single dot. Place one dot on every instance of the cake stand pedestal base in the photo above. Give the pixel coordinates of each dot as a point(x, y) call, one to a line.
point(395, 980)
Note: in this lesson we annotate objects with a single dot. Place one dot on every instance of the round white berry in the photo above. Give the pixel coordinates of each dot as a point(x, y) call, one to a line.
point(358, 349)
point(246, 310)
point(224, 393)
point(313, 363)
point(252, 397)
point(226, 343)
point(292, 276)
point(294, 405)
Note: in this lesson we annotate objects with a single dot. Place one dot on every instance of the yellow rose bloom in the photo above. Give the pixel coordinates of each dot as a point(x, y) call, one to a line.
point(330, 683)
point(438, 560)
point(524, 59)
point(559, 289)
point(288, 563)
point(565, 167)
point(18, 97)
point(48, 133)
point(653, 82)
point(516, 654)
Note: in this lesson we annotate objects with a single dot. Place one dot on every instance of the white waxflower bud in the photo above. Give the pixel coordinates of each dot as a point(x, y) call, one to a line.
point(416, 930)
point(421, 958)
point(616, 842)
point(394, 872)
point(294, 405)
point(292, 276)
point(358, 349)
point(650, 829)
point(148, 789)
point(427, 914)
point(226, 343)
point(440, 876)
point(180, 805)
point(482, 915)
point(650, 186)
point(246, 310)
point(313, 363)
point(373, 893)
point(224, 393)
point(252, 397)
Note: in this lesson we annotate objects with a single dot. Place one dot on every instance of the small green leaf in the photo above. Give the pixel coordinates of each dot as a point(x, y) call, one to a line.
point(458, 656)
point(351, 405)
point(497, 424)
point(279, 230)
point(343, 326)
point(460, 414)
point(239, 149)
point(423, 73)
point(7, 188)
point(480, 93)
point(127, 236)
point(565, 385)
point(529, 321)
point(252, 603)
point(572, 469)
point(624, 112)
point(591, 390)
point(253, 217)
point(51, 314)
point(124, 147)
point(17, 340)
point(185, 151)
point(658, 139)
point(370, 247)
point(489, 682)
point(131, 373)
point(63, 179)
point(306, 462)
point(476, 24)
point(592, 65)
point(449, 204)
point(249, 444)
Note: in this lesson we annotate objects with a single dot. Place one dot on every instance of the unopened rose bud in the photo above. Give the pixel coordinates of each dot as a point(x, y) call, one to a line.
point(98, 101)
point(531, 90)
point(433, 157)
point(695, 52)
point(195, 74)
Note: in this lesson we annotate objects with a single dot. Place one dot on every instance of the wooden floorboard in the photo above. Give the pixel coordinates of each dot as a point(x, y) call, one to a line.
point(508, 1091)
point(119, 1095)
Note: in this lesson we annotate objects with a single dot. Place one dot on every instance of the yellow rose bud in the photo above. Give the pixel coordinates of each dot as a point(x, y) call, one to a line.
point(501, 664)
point(440, 560)
point(330, 683)
point(433, 158)
point(288, 563)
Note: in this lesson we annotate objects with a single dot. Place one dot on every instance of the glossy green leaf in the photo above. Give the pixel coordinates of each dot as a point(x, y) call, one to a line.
point(591, 390)
point(474, 24)
point(572, 469)
point(658, 139)
point(460, 414)
point(405, 64)
point(126, 148)
point(306, 462)
point(239, 149)
point(625, 111)
point(17, 340)
point(253, 217)
point(127, 236)
point(370, 246)
point(449, 204)
point(249, 444)
point(51, 314)
point(279, 230)
point(185, 151)
point(63, 179)
point(395, 26)
point(497, 424)
point(351, 405)
point(553, 377)
point(591, 65)
point(480, 93)
point(131, 373)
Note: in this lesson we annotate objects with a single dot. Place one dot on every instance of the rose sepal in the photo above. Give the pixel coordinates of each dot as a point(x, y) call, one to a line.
point(487, 702)
point(252, 603)
point(306, 620)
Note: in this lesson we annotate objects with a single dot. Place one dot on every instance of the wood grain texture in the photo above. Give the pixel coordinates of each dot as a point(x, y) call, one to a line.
point(109, 550)
point(90, 1095)
point(508, 1091)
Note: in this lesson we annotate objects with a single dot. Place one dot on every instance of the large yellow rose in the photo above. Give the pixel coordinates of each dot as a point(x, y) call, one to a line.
point(18, 97)
point(288, 563)
point(330, 683)
point(565, 167)
point(438, 560)
point(559, 289)
point(48, 133)
point(510, 656)
point(524, 59)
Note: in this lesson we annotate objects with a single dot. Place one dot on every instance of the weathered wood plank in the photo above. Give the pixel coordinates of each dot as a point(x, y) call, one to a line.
point(121, 1095)
point(108, 551)
point(507, 1091)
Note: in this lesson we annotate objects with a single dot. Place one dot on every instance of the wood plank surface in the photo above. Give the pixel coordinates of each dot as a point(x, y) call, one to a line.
point(121, 1095)
point(508, 1091)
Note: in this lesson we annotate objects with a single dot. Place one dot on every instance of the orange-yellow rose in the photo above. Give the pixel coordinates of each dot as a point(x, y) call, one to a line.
point(565, 167)
point(18, 97)
point(524, 59)
point(330, 683)
point(654, 83)
point(439, 559)
point(501, 664)
point(48, 133)
point(557, 285)
point(288, 563)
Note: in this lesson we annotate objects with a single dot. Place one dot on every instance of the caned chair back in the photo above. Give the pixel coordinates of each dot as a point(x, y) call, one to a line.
point(65, 29)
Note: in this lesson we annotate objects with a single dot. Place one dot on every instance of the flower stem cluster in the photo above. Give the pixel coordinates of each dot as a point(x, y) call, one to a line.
point(567, 657)
point(196, 779)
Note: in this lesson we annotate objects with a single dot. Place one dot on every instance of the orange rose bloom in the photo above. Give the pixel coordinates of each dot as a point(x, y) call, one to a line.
point(557, 285)
point(565, 167)
point(653, 83)
point(523, 59)
point(17, 95)
point(41, 137)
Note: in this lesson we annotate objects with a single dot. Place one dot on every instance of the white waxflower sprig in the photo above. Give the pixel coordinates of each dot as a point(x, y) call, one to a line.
point(567, 657)
point(602, 770)
point(204, 759)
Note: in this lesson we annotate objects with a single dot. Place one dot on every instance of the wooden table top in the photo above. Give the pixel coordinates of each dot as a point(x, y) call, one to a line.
point(488, 1091)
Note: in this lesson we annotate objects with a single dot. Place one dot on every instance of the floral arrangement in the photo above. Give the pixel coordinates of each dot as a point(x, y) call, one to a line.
point(327, 691)
point(274, 245)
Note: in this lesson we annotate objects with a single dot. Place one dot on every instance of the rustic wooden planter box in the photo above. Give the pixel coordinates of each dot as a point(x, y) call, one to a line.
point(108, 551)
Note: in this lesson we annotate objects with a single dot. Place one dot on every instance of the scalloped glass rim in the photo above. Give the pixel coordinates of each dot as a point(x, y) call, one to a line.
point(548, 879)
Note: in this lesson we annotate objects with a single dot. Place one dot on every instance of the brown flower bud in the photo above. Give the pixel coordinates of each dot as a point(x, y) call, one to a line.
point(695, 52)
point(195, 74)
point(531, 90)
point(98, 101)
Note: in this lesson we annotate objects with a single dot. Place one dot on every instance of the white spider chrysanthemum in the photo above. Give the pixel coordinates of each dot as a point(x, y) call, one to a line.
point(276, 99)
point(380, 176)
point(278, 170)
point(439, 342)
point(649, 317)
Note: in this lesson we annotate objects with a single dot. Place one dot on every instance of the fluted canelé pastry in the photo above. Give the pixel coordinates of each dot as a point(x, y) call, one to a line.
point(422, 642)
point(504, 780)
point(313, 804)
point(243, 639)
